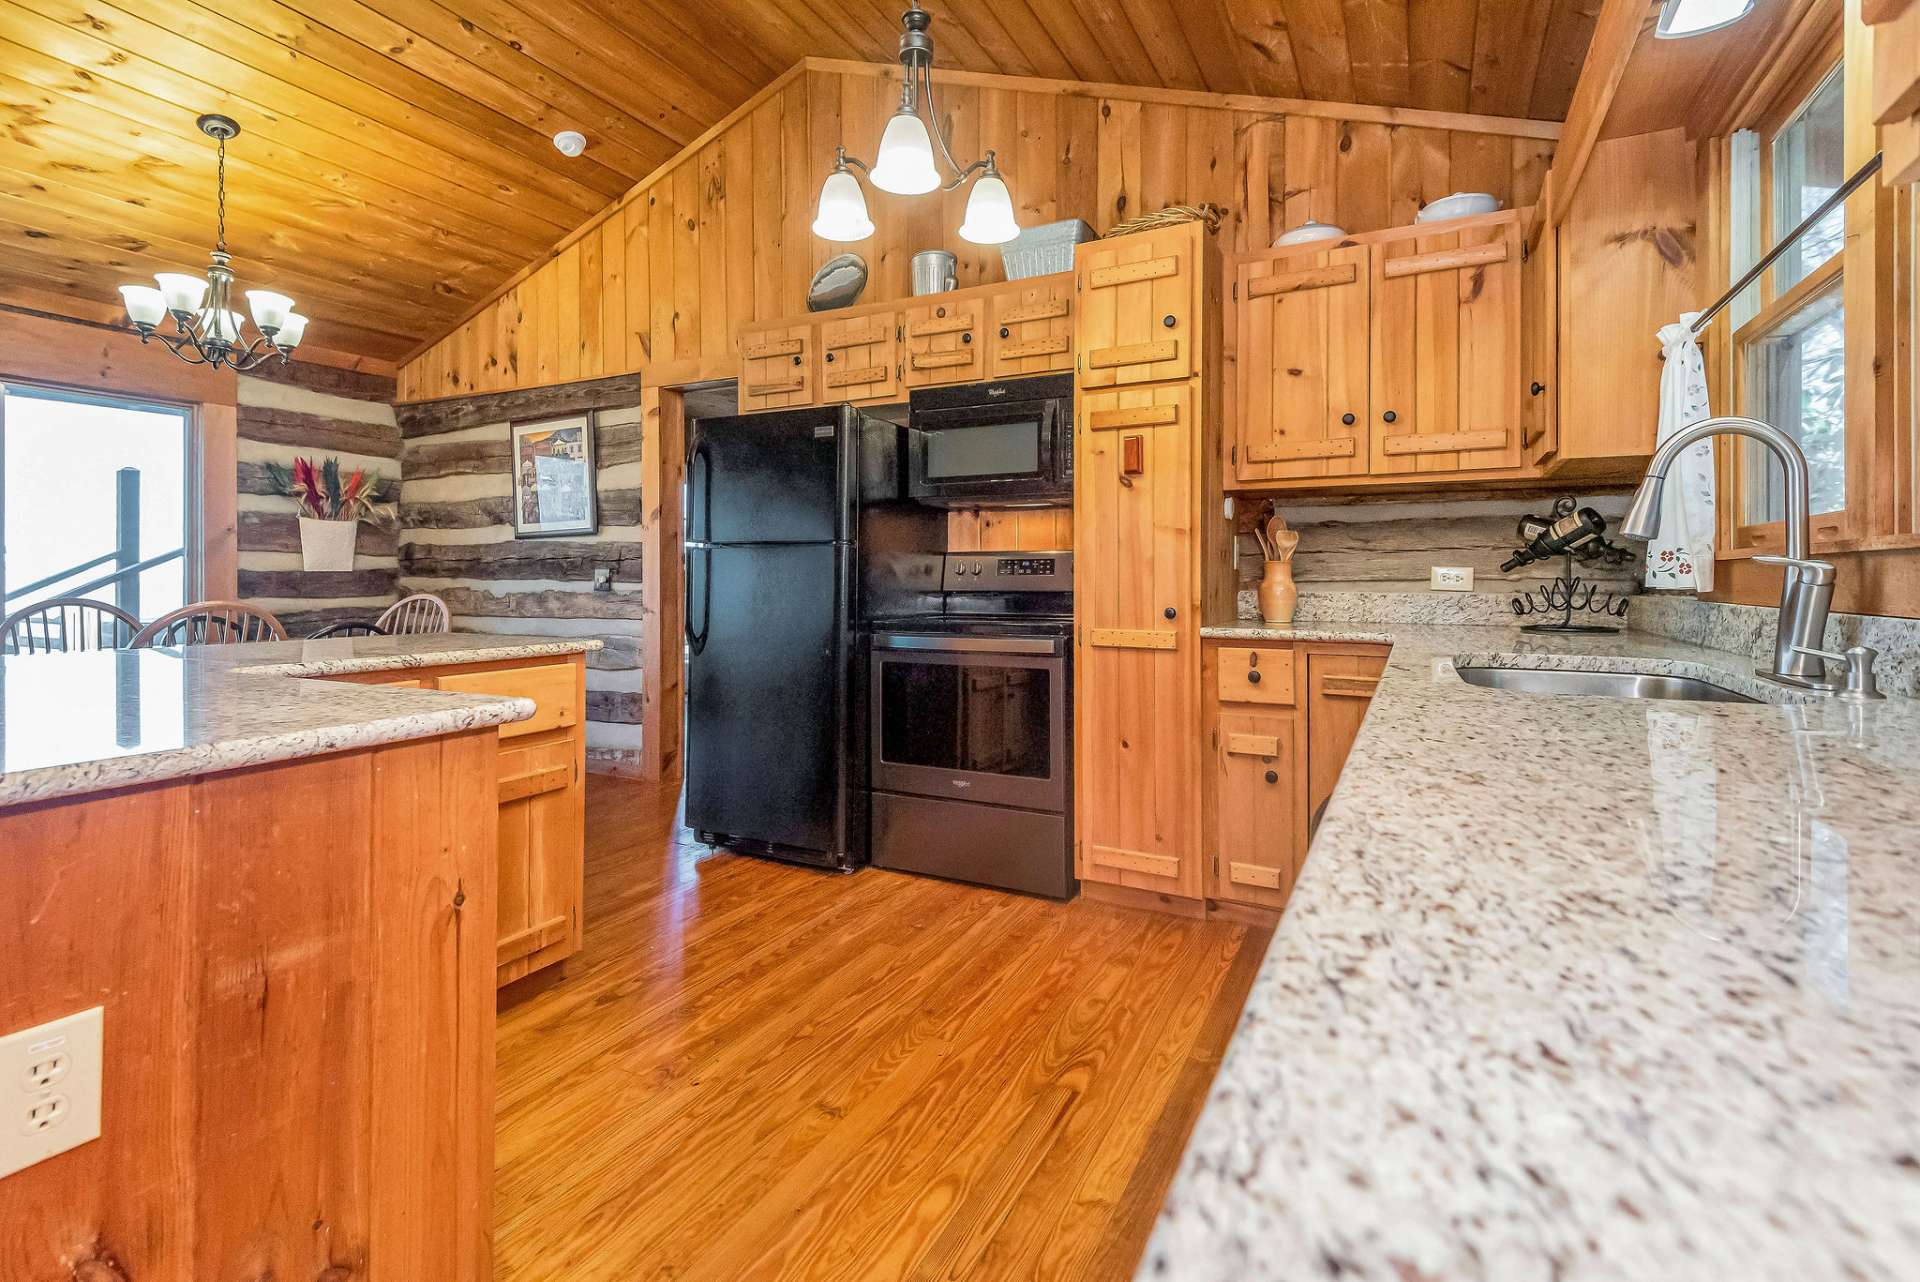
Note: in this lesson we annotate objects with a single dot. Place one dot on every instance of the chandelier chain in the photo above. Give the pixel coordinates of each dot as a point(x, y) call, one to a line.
point(223, 196)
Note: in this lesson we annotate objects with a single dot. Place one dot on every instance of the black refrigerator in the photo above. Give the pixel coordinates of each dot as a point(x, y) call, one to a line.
point(792, 518)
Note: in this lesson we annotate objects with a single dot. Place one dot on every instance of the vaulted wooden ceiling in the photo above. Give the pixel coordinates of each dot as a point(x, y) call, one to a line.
point(396, 161)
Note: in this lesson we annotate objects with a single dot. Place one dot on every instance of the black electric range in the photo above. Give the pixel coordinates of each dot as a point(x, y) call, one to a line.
point(971, 735)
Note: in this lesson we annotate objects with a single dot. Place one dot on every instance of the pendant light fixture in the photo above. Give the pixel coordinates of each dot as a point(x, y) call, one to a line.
point(905, 164)
point(206, 331)
point(1681, 18)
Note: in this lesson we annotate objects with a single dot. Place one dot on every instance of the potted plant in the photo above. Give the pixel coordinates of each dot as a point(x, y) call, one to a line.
point(331, 508)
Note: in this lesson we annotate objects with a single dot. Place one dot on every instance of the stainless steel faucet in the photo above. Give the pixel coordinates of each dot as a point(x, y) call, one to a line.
point(1807, 594)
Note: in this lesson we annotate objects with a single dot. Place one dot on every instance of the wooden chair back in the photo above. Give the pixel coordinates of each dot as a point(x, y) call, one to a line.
point(211, 623)
point(414, 615)
point(66, 623)
point(348, 628)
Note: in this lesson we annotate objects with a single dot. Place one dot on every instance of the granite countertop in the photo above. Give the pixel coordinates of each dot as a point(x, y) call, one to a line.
point(72, 724)
point(1577, 987)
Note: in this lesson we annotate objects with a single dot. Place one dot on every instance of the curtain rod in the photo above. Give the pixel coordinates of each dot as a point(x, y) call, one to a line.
point(1847, 189)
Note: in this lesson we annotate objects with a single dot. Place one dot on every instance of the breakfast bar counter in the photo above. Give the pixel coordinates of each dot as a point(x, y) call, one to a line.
point(1579, 987)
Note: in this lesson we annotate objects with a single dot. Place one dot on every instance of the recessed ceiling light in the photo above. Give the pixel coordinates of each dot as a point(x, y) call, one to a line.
point(1680, 18)
point(572, 142)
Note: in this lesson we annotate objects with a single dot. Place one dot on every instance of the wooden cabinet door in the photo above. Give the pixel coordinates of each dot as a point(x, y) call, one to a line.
point(1540, 347)
point(1138, 677)
point(1303, 325)
point(860, 359)
point(1030, 328)
point(1257, 781)
point(1139, 307)
point(776, 368)
point(1339, 688)
point(943, 343)
point(1446, 386)
point(541, 844)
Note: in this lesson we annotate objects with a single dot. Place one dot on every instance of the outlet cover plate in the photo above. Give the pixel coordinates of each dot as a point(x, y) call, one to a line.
point(53, 1069)
point(1452, 578)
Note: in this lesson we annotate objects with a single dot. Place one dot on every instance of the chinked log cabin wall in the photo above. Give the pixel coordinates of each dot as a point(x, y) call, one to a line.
point(456, 540)
point(316, 412)
point(720, 236)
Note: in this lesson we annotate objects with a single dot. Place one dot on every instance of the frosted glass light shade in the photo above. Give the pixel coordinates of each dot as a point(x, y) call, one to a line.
point(842, 213)
point(905, 164)
point(269, 309)
point(290, 331)
point(145, 304)
point(989, 219)
point(183, 293)
point(221, 326)
point(1680, 18)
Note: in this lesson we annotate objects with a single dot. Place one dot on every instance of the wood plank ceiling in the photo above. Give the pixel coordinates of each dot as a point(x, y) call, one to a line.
point(396, 163)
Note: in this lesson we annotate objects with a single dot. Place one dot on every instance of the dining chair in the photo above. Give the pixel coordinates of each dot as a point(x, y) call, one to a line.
point(66, 623)
point(420, 613)
point(211, 623)
point(349, 628)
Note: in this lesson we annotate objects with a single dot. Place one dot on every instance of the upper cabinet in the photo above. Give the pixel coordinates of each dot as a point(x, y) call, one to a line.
point(861, 358)
point(1030, 327)
point(943, 341)
point(1391, 355)
point(777, 367)
point(1140, 296)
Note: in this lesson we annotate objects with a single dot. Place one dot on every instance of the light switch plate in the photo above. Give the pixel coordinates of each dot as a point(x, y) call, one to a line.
point(50, 1079)
point(1452, 578)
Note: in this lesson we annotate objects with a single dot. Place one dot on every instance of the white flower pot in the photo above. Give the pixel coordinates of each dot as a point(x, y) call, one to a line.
point(327, 545)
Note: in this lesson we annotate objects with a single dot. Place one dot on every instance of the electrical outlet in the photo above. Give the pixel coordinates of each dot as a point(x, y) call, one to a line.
point(1452, 578)
point(50, 1079)
point(603, 578)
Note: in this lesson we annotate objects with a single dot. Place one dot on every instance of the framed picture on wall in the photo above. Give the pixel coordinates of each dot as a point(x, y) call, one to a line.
point(553, 478)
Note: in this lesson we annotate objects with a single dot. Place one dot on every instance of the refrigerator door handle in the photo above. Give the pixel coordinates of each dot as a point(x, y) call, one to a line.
point(699, 588)
point(700, 498)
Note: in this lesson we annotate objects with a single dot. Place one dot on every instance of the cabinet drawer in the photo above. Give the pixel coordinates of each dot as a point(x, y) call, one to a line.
point(552, 687)
point(1256, 674)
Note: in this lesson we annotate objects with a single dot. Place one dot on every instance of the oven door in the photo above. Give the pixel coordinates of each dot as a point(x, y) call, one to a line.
point(971, 718)
point(989, 453)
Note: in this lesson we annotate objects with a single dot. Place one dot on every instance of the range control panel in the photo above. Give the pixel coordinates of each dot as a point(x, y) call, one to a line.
point(991, 572)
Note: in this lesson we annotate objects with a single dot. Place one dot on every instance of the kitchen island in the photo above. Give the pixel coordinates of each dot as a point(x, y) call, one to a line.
point(281, 892)
point(1577, 987)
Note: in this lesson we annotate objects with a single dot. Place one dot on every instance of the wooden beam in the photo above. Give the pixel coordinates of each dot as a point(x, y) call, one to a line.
point(1614, 36)
point(663, 449)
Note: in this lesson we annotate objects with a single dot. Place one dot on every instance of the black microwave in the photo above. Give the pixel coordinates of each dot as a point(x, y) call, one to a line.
point(1002, 444)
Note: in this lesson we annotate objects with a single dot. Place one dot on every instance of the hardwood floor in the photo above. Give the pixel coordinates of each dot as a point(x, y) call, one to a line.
point(754, 1071)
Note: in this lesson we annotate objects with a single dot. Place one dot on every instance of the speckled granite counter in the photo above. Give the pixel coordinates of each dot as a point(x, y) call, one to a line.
point(72, 724)
point(1579, 988)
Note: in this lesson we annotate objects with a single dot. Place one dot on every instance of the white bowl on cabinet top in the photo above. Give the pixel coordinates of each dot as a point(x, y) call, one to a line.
point(1459, 205)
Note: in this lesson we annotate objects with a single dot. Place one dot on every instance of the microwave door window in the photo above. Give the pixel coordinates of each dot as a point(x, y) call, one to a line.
point(992, 450)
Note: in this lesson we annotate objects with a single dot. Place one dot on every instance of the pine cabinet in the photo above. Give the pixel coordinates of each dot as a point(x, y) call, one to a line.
point(943, 341)
point(1140, 306)
point(777, 367)
point(1303, 364)
point(1339, 687)
point(1030, 328)
point(860, 358)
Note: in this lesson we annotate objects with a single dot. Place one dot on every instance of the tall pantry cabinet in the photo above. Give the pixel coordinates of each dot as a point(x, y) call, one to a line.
point(1152, 547)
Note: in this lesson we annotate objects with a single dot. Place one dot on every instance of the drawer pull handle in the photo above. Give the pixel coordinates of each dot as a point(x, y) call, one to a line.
point(1254, 677)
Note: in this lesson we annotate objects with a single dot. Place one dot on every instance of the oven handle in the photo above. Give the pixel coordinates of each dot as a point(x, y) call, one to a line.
point(966, 645)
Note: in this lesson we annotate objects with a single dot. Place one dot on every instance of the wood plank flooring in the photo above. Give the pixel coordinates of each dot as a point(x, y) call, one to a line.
point(766, 1072)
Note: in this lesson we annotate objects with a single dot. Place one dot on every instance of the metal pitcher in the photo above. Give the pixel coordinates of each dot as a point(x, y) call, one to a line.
point(934, 272)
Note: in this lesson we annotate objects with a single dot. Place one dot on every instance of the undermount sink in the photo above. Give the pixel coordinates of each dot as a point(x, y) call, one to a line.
point(1611, 685)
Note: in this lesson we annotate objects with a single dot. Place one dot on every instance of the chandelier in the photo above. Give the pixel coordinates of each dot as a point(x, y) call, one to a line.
point(206, 331)
point(905, 164)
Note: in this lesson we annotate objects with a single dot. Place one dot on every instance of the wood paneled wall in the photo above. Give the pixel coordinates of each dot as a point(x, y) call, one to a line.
point(721, 236)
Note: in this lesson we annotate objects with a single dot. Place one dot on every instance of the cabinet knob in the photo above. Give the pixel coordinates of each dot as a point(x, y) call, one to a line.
point(1170, 612)
point(796, 360)
point(1168, 321)
point(1389, 416)
point(829, 358)
point(966, 338)
point(1272, 777)
point(940, 312)
point(1347, 419)
point(1537, 388)
point(1005, 332)
point(1254, 676)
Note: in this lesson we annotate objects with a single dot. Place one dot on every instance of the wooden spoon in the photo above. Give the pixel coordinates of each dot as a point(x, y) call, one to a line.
point(1284, 543)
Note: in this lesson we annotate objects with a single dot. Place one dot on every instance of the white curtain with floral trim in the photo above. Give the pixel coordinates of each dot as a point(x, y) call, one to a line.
point(1681, 558)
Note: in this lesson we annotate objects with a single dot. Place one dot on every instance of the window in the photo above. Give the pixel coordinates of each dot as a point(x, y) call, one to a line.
point(94, 500)
point(1790, 347)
